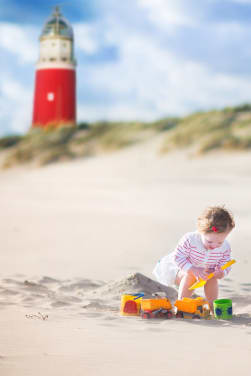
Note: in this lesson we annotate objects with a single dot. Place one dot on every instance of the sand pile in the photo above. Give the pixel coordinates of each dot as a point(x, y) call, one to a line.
point(47, 293)
point(134, 283)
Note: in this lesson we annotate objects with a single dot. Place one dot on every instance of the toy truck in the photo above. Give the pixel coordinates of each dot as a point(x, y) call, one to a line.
point(156, 308)
point(192, 308)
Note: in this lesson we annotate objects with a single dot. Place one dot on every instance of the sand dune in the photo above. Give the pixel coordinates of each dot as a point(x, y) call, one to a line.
point(75, 236)
point(83, 295)
point(47, 293)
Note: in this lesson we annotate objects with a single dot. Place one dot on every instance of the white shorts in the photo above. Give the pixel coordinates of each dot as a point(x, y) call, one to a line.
point(166, 270)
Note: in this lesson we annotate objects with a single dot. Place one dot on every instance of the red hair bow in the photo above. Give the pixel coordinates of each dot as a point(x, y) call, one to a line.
point(214, 228)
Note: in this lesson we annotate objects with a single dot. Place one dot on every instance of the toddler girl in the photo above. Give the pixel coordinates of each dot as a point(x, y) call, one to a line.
point(198, 254)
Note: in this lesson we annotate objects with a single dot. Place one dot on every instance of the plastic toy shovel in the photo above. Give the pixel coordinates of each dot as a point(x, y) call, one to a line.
point(202, 282)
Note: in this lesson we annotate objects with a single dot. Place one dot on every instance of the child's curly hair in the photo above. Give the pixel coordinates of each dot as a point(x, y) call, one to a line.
point(215, 219)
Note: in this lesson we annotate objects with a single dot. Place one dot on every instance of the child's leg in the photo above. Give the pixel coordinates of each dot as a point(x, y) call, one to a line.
point(185, 280)
point(211, 291)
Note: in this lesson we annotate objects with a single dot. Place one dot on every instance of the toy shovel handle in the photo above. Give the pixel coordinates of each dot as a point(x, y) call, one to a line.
point(223, 267)
point(202, 282)
point(229, 263)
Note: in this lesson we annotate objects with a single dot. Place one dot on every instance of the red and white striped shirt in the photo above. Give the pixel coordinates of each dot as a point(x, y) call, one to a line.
point(190, 251)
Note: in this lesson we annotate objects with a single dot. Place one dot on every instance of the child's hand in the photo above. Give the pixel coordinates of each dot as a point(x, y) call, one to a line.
point(199, 272)
point(210, 270)
point(219, 273)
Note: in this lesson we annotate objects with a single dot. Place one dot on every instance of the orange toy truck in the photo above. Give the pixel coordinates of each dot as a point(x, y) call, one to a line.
point(157, 307)
point(192, 308)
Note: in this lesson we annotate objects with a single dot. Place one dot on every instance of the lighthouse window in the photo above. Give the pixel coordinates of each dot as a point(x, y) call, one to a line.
point(50, 97)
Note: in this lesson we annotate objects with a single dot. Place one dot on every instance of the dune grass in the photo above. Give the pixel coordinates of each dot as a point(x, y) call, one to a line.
point(227, 130)
point(42, 147)
point(9, 141)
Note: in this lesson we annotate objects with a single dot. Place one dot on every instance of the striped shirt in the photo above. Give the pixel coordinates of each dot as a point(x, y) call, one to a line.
point(190, 251)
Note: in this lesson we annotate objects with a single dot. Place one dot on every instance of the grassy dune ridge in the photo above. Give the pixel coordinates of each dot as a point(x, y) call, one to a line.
point(227, 129)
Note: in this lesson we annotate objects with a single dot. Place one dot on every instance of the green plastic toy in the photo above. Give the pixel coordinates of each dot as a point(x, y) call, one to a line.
point(223, 309)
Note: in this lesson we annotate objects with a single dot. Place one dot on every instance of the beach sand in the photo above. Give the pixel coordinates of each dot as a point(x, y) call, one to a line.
point(75, 236)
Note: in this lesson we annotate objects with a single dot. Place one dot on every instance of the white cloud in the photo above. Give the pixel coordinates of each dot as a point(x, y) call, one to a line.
point(20, 41)
point(150, 82)
point(168, 13)
point(16, 105)
point(118, 111)
point(86, 38)
point(12, 90)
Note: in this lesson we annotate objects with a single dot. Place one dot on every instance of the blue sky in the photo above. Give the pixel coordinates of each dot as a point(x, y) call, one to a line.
point(137, 59)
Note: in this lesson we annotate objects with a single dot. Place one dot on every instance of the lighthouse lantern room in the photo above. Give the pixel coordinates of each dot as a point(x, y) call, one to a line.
point(55, 82)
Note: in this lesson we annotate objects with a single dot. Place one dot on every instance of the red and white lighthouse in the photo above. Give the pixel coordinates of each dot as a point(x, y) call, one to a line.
point(55, 82)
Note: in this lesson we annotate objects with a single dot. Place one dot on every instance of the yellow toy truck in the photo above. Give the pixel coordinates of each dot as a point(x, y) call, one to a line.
point(158, 307)
point(188, 308)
